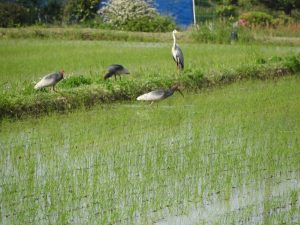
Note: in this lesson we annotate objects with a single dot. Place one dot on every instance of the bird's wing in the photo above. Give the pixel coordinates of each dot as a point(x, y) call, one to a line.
point(46, 81)
point(174, 58)
point(114, 68)
point(179, 55)
point(152, 96)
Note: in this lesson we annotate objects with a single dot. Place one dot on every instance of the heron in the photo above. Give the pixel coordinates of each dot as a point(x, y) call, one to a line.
point(160, 94)
point(177, 53)
point(50, 80)
point(114, 70)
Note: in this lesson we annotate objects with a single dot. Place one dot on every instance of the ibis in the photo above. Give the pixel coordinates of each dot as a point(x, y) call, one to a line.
point(50, 80)
point(114, 70)
point(177, 53)
point(160, 94)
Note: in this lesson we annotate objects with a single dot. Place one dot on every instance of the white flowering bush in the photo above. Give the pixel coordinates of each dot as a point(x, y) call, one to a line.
point(135, 15)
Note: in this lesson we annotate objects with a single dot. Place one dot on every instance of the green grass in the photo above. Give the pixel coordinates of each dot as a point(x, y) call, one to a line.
point(24, 62)
point(234, 148)
point(287, 34)
point(28, 60)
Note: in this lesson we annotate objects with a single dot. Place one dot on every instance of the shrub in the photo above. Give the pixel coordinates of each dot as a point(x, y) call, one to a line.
point(293, 63)
point(79, 11)
point(283, 20)
point(226, 11)
point(119, 12)
point(256, 18)
point(137, 15)
point(220, 32)
point(296, 14)
point(12, 14)
point(76, 81)
point(213, 33)
point(146, 24)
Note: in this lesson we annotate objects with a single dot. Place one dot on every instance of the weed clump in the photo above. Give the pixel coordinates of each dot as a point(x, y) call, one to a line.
point(76, 81)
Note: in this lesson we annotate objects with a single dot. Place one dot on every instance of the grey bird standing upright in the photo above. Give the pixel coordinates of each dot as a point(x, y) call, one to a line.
point(177, 53)
point(50, 80)
point(114, 70)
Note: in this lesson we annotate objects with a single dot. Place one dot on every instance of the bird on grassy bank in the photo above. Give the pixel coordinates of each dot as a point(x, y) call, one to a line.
point(177, 53)
point(50, 80)
point(114, 70)
point(160, 94)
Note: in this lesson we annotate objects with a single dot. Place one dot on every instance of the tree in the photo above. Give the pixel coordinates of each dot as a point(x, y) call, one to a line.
point(52, 11)
point(12, 14)
point(120, 12)
point(286, 5)
point(80, 10)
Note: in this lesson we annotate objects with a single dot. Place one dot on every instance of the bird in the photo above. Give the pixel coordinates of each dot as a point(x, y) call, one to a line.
point(160, 94)
point(114, 70)
point(50, 80)
point(177, 53)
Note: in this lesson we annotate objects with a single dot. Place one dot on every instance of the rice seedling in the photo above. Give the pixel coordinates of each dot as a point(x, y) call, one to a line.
point(227, 155)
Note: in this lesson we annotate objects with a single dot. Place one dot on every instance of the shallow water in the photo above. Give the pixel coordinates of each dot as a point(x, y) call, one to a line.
point(227, 156)
point(216, 210)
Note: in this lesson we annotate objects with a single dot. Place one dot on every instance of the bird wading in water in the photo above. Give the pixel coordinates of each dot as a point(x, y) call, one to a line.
point(50, 80)
point(177, 53)
point(114, 70)
point(160, 94)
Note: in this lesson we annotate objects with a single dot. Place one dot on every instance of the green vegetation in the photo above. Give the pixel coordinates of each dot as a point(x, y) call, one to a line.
point(223, 156)
point(150, 65)
point(141, 15)
point(206, 33)
point(138, 15)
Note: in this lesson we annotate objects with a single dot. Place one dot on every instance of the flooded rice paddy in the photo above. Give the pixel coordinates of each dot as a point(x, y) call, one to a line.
point(225, 156)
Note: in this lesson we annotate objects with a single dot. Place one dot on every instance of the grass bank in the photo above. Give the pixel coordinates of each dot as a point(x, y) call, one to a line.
point(285, 35)
point(84, 34)
point(80, 91)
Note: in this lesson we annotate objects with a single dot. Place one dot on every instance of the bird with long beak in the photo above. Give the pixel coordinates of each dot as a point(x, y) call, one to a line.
point(114, 70)
point(160, 94)
point(50, 80)
point(177, 53)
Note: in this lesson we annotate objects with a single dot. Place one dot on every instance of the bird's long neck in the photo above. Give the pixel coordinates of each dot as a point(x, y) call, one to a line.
point(169, 92)
point(60, 75)
point(174, 38)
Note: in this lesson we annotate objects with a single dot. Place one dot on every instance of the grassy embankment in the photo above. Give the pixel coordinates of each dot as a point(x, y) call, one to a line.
point(23, 62)
point(223, 156)
point(288, 34)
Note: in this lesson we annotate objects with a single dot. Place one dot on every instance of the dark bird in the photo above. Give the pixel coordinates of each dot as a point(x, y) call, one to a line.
point(114, 70)
point(160, 94)
point(50, 80)
point(177, 53)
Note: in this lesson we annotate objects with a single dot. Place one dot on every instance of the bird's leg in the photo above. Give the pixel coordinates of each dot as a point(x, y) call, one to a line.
point(54, 89)
point(115, 76)
point(120, 77)
point(151, 102)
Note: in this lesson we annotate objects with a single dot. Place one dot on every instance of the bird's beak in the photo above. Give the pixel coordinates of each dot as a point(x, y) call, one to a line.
point(180, 93)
